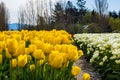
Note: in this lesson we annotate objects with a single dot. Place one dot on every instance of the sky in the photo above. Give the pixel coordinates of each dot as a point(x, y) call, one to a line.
point(113, 5)
point(13, 6)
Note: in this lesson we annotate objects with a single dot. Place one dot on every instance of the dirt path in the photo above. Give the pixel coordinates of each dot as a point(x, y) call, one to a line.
point(86, 67)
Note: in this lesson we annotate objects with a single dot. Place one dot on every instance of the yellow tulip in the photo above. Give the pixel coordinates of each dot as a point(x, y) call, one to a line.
point(75, 70)
point(1, 51)
point(0, 58)
point(20, 49)
point(32, 67)
point(39, 44)
point(52, 55)
point(18, 37)
point(57, 40)
point(27, 51)
point(73, 55)
point(14, 63)
point(12, 45)
point(86, 76)
point(47, 48)
point(8, 55)
point(38, 54)
point(32, 48)
point(65, 39)
point(56, 60)
point(2, 45)
point(66, 64)
point(40, 62)
point(29, 58)
point(22, 60)
point(58, 47)
point(64, 48)
point(80, 53)
point(2, 36)
point(65, 58)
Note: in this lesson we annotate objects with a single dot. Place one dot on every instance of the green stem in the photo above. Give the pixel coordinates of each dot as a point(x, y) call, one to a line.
point(10, 69)
point(36, 69)
point(51, 73)
point(23, 73)
point(18, 77)
point(55, 73)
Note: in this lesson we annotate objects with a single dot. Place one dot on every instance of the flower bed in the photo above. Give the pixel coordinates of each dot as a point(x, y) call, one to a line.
point(38, 55)
point(103, 51)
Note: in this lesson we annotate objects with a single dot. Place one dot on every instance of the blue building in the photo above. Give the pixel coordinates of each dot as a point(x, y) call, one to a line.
point(13, 26)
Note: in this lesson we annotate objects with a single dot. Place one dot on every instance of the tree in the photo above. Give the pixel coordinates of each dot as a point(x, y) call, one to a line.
point(21, 19)
point(4, 16)
point(119, 14)
point(81, 4)
point(87, 18)
point(58, 12)
point(115, 24)
point(92, 28)
point(59, 16)
point(81, 9)
point(34, 13)
point(101, 6)
point(70, 13)
point(113, 14)
point(26, 15)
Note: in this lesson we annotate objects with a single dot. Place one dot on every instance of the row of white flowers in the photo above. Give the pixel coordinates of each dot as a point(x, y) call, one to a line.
point(102, 47)
point(103, 51)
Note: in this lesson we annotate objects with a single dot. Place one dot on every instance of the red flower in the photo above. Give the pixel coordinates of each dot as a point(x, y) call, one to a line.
point(72, 35)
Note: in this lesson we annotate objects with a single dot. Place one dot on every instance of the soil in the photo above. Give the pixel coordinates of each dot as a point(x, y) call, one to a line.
point(86, 68)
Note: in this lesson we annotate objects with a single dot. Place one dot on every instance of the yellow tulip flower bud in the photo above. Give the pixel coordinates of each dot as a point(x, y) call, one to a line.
point(0, 58)
point(14, 63)
point(86, 76)
point(32, 67)
point(75, 70)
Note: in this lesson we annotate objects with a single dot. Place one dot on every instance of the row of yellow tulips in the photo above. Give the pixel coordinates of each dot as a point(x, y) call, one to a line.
point(38, 55)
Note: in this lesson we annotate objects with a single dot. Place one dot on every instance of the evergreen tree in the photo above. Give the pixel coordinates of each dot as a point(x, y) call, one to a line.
point(59, 16)
point(119, 14)
point(71, 13)
point(81, 4)
point(113, 14)
point(58, 12)
point(81, 9)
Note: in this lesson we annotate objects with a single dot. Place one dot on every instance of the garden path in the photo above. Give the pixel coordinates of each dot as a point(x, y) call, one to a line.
point(86, 68)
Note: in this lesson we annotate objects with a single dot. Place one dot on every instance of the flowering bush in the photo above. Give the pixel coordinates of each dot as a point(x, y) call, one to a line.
point(103, 51)
point(37, 55)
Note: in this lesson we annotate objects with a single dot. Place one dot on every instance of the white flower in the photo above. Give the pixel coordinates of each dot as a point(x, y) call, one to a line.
point(113, 57)
point(115, 51)
point(104, 58)
point(101, 42)
point(117, 61)
point(101, 63)
point(95, 55)
point(96, 52)
point(102, 48)
point(91, 60)
point(115, 45)
point(88, 52)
